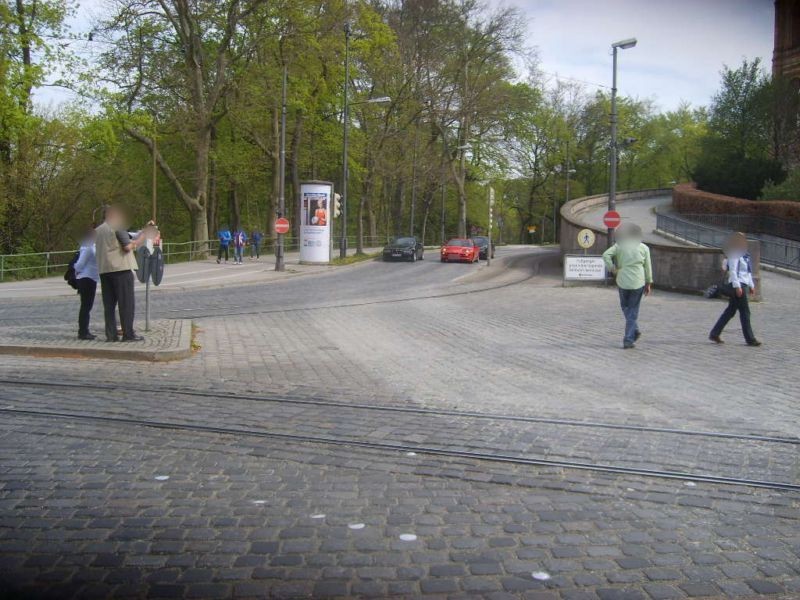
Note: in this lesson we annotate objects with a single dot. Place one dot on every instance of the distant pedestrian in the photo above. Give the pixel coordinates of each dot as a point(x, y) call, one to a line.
point(86, 279)
point(239, 242)
point(629, 260)
point(255, 244)
point(225, 237)
point(738, 268)
point(116, 263)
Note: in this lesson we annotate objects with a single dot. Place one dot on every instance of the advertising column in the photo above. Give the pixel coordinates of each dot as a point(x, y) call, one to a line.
point(315, 224)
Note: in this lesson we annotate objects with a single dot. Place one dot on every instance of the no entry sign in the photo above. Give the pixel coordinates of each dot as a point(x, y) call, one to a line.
point(612, 219)
point(281, 225)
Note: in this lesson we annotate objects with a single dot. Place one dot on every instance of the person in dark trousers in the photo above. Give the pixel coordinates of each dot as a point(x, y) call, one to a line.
point(255, 244)
point(225, 238)
point(86, 278)
point(629, 260)
point(738, 268)
point(116, 264)
point(239, 242)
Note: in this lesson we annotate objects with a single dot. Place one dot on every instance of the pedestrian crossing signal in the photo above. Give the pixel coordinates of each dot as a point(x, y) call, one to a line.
point(337, 205)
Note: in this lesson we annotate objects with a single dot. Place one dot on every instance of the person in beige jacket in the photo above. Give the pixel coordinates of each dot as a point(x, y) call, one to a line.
point(116, 263)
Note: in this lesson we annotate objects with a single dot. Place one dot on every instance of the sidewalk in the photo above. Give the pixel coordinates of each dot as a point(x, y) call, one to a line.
point(166, 340)
point(182, 276)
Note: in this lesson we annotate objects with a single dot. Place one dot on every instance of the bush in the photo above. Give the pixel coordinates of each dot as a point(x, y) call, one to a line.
point(732, 174)
point(788, 190)
point(687, 199)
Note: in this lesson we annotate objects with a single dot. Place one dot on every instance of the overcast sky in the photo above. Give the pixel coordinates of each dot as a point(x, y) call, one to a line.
point(682, 43)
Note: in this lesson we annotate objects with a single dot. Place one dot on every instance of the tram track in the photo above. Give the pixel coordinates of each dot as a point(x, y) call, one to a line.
point(422, 446)
point(415, 448)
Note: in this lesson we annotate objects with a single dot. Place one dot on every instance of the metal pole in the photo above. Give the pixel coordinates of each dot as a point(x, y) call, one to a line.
point(555, 205)
point(444, 194)
point(346, 118)
point(155, 177)
point(414, 180)
point(491, 207)
point(612, 187)
point(279, 248)
point(147, 305)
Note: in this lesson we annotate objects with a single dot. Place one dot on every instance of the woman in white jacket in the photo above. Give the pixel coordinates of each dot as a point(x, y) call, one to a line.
point(87, 277)
point(739, 271)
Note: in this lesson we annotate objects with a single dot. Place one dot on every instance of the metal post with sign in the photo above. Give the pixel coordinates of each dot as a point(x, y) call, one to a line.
point(491, 209)
point(584, 267)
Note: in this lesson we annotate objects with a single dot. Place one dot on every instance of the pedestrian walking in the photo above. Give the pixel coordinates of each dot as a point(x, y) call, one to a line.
point(116, 263)
point(629, 261)
point(224, 236)
point(255, 244)
point(86, 278)
point(738, 284)
point(239, 242)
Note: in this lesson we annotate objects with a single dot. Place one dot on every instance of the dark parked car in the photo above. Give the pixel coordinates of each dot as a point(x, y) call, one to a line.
point(482, 242)
point(404, 248)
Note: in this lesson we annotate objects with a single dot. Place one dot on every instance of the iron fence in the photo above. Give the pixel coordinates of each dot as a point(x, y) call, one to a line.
point(34, 265)
point(781, 228)
point(775, 251)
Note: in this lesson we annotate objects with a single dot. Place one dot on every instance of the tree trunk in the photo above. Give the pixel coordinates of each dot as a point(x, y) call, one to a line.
point(212, 210)
point(200, 230)
point(294, 161)
point(234, 208)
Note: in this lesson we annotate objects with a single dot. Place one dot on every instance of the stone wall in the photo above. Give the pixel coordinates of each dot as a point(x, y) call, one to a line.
point(688, 269)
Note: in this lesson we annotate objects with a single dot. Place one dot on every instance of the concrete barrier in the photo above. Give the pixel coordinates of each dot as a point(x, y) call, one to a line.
point(689, 269)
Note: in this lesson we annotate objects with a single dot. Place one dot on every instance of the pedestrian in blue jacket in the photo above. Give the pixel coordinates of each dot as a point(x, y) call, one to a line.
point(225, 237)
point(255, 244)
point(239, 242)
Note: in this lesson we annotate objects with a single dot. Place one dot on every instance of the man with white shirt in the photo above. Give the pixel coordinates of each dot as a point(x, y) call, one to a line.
point(739, 272)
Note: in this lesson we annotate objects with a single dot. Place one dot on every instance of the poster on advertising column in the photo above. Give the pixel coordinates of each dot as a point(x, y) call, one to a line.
point(315, 221)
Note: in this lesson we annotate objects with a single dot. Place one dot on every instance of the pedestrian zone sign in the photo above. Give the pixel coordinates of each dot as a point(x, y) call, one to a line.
point(584, 268)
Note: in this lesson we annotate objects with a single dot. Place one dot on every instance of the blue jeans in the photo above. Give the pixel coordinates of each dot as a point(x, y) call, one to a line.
point(238, 252)
point(630, 300)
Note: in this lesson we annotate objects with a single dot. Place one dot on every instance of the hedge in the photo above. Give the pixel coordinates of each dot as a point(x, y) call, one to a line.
point(687, 199)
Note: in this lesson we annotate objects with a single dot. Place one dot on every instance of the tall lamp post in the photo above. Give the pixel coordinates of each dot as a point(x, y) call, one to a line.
point(280, 264)
point(612, 191)
point(346, 120)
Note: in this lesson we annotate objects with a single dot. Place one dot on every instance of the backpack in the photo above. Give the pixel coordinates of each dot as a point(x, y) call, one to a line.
point(70, 276)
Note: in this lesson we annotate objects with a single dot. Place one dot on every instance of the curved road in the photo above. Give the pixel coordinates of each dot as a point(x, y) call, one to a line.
point(634, 211)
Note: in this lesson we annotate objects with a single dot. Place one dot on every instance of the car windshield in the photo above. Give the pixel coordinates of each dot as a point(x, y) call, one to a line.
point(462, 243)
point(405, 241)
point(480, 240)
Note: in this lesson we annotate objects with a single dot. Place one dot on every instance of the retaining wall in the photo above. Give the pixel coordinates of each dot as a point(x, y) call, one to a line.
point(688, 269)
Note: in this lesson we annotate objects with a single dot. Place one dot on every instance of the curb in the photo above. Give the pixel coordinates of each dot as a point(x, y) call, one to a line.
point(182, 351)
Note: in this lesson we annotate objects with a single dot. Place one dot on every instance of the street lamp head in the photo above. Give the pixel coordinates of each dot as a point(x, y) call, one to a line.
point(624, 44)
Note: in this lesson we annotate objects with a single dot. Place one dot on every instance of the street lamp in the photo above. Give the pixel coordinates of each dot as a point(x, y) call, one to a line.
point(612, 192)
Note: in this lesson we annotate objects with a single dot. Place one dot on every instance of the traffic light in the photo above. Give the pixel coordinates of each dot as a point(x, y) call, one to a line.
point(337, 205)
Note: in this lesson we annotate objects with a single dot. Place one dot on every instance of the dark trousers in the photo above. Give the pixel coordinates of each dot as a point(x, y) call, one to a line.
point(117, 289)
point(742, 306)
point(221, 250)
point(630, 300)
point(255, 249)
point(87, 288)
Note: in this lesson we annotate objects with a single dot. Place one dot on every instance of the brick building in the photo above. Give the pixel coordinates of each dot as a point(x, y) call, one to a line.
point(786, 55)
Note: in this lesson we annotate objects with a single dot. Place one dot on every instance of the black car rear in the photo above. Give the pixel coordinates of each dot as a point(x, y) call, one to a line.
point(482, 242)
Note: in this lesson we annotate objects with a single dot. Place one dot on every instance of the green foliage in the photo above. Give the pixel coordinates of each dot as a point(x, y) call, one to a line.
point(737, 156)
point(789, 189)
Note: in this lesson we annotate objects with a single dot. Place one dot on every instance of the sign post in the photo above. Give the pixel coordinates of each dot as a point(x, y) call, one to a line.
point(612, 219)
point(315, 222)
point(491, 209)
point(586, 239)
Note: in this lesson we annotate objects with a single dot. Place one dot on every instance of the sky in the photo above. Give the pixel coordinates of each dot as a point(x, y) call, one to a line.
point(682, 44)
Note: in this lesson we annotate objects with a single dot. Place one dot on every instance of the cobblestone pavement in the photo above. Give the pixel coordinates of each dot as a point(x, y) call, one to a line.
point(82, 512)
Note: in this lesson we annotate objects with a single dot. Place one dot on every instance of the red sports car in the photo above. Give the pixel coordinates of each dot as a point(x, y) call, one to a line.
point(460, 250)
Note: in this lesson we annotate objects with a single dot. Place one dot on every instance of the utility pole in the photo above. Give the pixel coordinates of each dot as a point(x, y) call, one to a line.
point(280, 264)
point(414, 180)
point(346, 117)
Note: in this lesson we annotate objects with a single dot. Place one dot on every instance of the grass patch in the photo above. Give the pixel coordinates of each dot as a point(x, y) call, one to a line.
point(354, 258)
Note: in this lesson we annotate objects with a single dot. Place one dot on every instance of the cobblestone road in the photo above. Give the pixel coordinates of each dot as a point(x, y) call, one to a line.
point(83, 513)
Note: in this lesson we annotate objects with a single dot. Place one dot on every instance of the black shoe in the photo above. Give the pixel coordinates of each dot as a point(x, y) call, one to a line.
point(628, 346)
point(754, 343)
point(636, 336)
point(110, 339)
point(87, 336)
point(716, 339)
point(134, 338)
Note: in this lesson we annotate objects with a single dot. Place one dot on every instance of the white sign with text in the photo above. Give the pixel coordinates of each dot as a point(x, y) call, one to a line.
point(584, 268)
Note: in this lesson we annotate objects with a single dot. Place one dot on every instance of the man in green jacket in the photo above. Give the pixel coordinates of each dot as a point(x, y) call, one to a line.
point(629, 260)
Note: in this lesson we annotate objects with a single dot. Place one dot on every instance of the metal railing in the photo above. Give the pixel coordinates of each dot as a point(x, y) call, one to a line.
point(775, 251)
point(34, 265)
point(781, 228)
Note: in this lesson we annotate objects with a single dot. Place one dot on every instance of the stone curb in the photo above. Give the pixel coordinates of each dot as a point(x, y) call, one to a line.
point(113, 352)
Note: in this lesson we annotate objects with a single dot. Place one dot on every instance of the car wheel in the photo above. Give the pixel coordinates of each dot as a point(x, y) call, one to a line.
point(422, 255)
point(414, 257)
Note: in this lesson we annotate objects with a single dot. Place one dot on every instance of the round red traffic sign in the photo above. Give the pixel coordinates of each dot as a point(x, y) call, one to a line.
point(281, 225)
point(612, 219)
